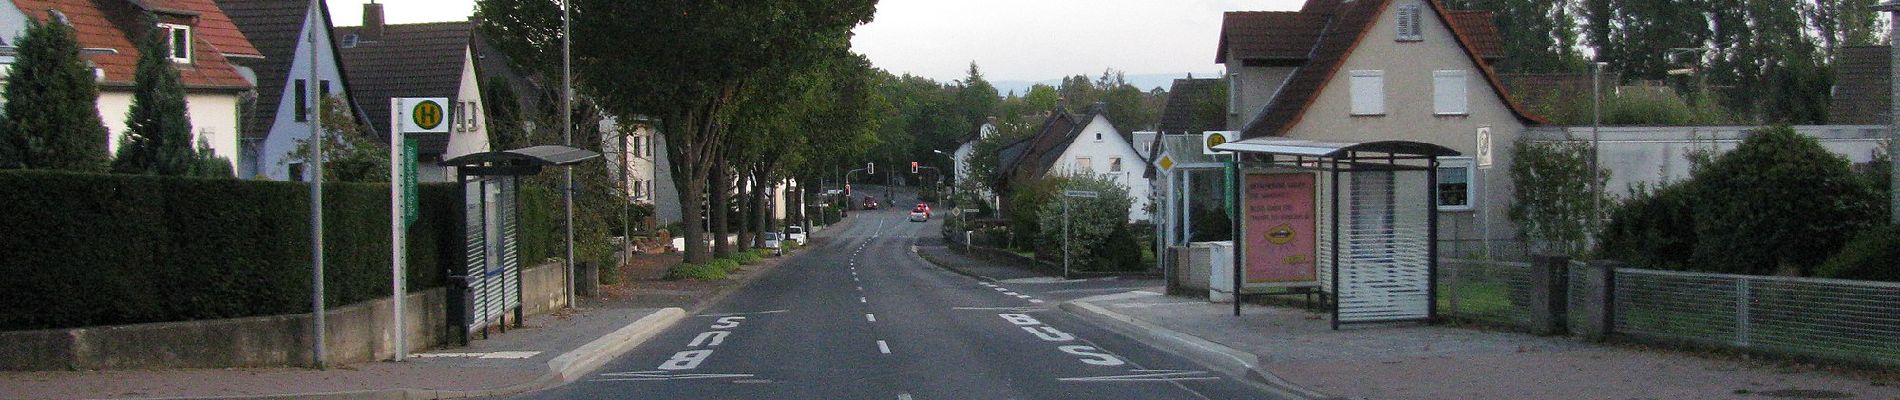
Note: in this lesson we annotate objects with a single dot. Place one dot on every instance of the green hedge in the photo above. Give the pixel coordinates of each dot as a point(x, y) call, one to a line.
point(90, 250)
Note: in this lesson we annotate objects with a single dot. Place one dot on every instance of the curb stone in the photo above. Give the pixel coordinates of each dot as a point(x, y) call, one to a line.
point(1227, 360)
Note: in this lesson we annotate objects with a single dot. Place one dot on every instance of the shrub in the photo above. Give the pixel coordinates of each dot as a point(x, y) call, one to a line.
point(1553, 200)
point(91, 249)
point(1098, 236)
point(1869, 257)
point(1653, 229)
point(746, 257)
point(1026, 203)
point(725, 264)
point(708, 272)
point(1778, 201)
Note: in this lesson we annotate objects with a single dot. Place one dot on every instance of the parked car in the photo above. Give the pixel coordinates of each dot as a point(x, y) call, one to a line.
point(870, 203)
point(796, 234)
point(920, 214)
point(926, 208)
point(775, 243)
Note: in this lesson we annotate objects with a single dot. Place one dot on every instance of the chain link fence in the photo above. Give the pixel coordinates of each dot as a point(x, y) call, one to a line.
point(1822, 318)
point(1491, 292)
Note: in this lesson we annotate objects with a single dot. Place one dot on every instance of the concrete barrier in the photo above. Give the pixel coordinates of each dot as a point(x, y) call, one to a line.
point(355, 333)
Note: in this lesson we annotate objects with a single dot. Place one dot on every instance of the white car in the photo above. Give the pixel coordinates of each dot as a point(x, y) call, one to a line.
point(772, 241)
point(795, 233)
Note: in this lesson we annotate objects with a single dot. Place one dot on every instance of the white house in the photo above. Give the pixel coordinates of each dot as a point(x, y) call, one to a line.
point(214, 85)
point(279, 119)
point(418, 60)
point(1075, 144)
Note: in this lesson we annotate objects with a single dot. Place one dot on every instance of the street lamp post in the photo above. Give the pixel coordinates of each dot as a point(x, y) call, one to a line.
point(315, 161)
point(1892, 7)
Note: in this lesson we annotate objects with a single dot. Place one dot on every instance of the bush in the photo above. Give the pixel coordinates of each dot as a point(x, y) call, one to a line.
point(1869, 257)
point(1552, 203)
point(1099, 238)
point(746, 257)
point(724, 264)
point(1780, 201)
point(1654, 229)
point(91, 250)
point(1026, 202)
point(708, 272)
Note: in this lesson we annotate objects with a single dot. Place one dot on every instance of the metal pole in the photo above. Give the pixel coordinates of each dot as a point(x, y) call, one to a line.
point(1232, 196)
point(1065, 237)
point(396, 225)
point(1893, 120)
point(1596, 139)
point(315, 161)
point(567, 135)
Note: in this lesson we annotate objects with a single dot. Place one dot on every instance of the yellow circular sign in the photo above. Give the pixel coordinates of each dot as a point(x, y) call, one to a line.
point(427, 114)
point(1216, 140)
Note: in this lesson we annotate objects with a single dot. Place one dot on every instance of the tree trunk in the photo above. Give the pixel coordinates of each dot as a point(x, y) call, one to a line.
point(692, 193)
point(720, 182)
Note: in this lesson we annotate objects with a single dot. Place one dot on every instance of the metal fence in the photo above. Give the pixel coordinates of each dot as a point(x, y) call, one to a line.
point(1822, 318)
point(1485, 291)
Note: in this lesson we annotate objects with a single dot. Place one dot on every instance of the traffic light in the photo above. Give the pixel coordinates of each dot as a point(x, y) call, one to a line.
point(913, 167)
point(847, 190)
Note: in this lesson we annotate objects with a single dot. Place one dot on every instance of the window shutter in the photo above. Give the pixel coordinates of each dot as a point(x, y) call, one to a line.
point(1233, 94)
point(1408, 21)
point(1448, 93)
point(1368, 92)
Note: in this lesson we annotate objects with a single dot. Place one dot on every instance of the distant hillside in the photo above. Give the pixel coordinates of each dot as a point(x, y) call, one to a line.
point(1144, 81)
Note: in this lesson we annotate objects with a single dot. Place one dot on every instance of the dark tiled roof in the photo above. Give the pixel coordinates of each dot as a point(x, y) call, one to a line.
point(112, 23)
point(275, 27)
point(410, 60)
point(1053, 156)
point(1268, 35)
point(1862, 86)
point(1480, 29)
point(1347, 23)
point(1182, 97)
point(1024, 159)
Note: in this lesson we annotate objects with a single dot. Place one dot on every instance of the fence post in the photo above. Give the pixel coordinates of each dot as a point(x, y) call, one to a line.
point(1599, 300)
point(1741, 311)
point(1549, 284)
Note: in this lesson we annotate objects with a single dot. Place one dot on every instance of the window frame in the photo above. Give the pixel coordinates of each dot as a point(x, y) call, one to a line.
point(1084, 164)
point(1470, 165)
point(302, 89)
point(1367, 106)
point(1408, 26)
point(1455, 103)
point(171, 32)
point(1114, 164)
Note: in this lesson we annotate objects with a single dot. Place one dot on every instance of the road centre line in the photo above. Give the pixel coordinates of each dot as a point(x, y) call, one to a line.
point(870, 317)
point(1002, 289)
point(883, 347)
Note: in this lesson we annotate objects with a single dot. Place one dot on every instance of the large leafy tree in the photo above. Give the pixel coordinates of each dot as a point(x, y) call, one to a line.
point(1538, 35)
point(976, 97)
point(52, 105)
point(158, 127)
point(684, 62)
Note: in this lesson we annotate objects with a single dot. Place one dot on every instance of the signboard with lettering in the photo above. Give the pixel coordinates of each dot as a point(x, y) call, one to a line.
point(427, 114)
point(1278, 225)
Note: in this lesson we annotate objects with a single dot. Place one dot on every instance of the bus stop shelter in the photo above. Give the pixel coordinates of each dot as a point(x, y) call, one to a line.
point(487, 287)
point(1356, 220)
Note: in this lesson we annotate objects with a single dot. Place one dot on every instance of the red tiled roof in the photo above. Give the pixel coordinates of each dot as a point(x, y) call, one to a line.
point(104, 23)
point(1481, 30)
point(1346, 23)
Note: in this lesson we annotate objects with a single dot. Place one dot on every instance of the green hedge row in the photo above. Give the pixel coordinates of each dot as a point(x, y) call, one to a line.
point(88, 250)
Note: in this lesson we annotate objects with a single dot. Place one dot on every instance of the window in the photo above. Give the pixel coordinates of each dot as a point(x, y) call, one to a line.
point(303, 101)
point(1368, 92)
point(1084, 164)
point(178, 39)
point(1408, 24)
point(1098, 136)
point(1233, 94)
point(1115, 164)
point(460, 113)
point(1454, 184)
point(323, 89)
point(1448, 93)
point(639, 146)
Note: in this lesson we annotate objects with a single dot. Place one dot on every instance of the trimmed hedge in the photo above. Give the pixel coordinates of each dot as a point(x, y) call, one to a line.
point(1868, 257)
point(90, 250)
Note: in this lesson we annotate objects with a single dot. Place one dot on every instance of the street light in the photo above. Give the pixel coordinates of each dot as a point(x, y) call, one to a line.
point(953, 167)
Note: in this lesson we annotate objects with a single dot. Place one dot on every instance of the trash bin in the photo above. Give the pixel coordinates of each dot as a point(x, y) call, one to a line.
point(461, 308)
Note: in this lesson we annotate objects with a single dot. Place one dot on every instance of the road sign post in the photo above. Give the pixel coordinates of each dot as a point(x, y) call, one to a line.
point(411, 115)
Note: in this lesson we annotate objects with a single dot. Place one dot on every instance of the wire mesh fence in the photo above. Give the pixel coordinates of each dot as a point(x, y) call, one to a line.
point(1822, 318)
point(1485, 291)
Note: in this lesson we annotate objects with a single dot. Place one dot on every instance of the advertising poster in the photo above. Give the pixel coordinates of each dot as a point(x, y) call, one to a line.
point(1279, 229)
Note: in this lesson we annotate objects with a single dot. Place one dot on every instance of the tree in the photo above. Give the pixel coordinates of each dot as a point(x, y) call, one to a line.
point(157, 137)
point(976, 97)
point(1538, 35)
point(52, 104)
point(1780, 202)
point(350, 154)
point(1097, 234)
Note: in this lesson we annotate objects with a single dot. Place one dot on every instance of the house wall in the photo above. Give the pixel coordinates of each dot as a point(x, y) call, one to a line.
point(214, 118)
point(1255, 87)
point(285, 132)
point(470, 141)
point(1410, 116)
point(1099, 152)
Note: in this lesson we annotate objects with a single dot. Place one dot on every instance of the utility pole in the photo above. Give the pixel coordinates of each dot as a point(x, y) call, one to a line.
point(1892, 7)
point(567, 133)
point(315, 161)
point(1596, 142)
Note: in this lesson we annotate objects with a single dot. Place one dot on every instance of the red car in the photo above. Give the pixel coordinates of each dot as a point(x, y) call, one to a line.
point(870, 203)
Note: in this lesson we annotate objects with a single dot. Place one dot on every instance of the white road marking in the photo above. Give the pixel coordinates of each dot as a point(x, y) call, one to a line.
point(660, 376)
point(1015, 309)
point(1145, 375)
point(860, 288)
point(986, 284)
point(863, 300)
point(903, 396)
point(737, 314)
point(501, 355)
point(1037, 301)
point(1011, 293)
point(1002, 289)
point(870, 317)
point(1022, 296)
point(883, 347)
point(710, 338)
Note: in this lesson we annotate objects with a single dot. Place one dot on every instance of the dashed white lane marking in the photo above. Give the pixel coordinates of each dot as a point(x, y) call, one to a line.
point(870, 317)
point(661, 376)
point(1022, 296)
point(903, 396)
point(1002, 289)
point(1011, 293)
point(860, 288)
point(863, 300)
point(883, 347)
point(1037, 301)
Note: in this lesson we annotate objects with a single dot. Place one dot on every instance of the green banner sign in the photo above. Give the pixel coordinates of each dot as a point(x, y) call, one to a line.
point(410, 202)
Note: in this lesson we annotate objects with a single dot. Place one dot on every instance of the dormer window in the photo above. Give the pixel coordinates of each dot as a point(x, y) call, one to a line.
point(178, 40)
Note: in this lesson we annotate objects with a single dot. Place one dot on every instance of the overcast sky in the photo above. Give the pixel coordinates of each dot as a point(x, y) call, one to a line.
point(1009, 39)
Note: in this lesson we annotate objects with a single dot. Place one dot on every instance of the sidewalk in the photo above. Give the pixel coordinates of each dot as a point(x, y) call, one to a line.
point(1296, 351)
point(548, 351)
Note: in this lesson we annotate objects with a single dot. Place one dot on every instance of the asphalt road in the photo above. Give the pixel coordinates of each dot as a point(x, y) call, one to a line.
point(862, 317)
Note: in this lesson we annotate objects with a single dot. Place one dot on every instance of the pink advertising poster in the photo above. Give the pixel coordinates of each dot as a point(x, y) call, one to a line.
point(1279, 228)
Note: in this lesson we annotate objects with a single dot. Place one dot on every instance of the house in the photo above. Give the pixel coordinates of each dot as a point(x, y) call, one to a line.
point(966, 147)
point(386, 61)
point(215, 86)
point(631, 156)
point(1071, 144)
point(279, 119)
point(1184, 97)
point(1374, 70)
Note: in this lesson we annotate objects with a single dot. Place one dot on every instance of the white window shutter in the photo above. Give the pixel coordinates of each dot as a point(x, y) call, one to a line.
point(1233, 94)
point(1368, 92)
point(1408, 23)
point(1449, 96)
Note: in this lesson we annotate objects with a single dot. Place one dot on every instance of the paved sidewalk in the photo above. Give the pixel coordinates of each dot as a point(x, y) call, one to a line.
point(1295, 350)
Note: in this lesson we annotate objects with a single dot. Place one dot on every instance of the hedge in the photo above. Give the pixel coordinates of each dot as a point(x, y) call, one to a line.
point(90, 250)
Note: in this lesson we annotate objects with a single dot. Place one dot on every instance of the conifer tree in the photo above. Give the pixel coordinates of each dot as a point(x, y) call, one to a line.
point(158, 127)
point(52, 104)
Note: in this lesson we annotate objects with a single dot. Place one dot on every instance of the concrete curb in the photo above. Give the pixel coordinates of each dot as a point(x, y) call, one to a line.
point(1219, 357)
point(562, 369)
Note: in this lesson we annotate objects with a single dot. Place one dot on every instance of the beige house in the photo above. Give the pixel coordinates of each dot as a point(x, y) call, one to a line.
point(1374, 70)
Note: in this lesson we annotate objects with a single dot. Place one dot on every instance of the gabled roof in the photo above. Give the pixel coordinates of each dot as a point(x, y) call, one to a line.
point(1275, 35)
point(1178, 115)
point(1347, 23)
point(410, 60)
point(112, 24)
point(1861, 86)
point(276, 28)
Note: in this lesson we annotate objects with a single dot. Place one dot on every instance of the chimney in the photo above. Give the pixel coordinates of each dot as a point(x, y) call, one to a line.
point(372, 22)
